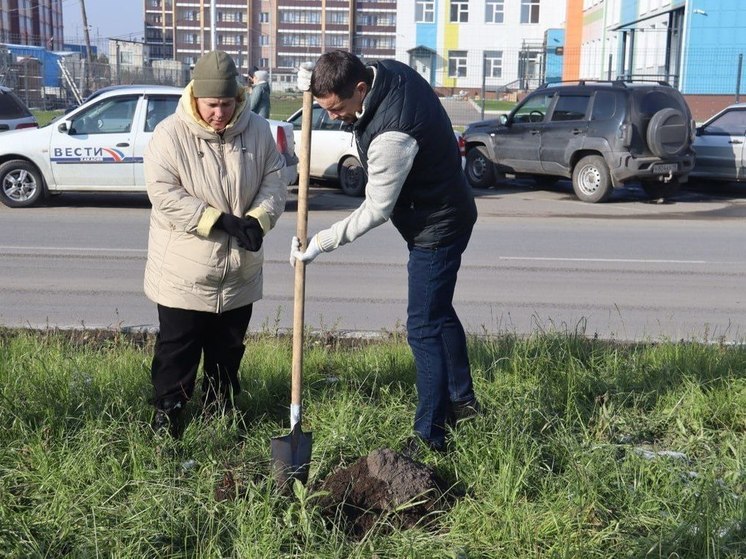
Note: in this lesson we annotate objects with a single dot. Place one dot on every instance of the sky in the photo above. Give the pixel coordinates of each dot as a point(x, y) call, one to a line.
point(106, 18)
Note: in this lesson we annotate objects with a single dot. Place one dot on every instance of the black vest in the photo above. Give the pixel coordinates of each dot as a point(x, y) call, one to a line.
point(436, 203)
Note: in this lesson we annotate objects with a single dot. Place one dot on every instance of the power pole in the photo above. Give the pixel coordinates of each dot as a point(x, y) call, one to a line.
point(89, 63)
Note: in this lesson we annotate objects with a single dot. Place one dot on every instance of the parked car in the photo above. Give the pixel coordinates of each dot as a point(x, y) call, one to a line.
point(719, 145)
point(14, 115)
point(334, 155)
point(98, 147)
point(600, 134)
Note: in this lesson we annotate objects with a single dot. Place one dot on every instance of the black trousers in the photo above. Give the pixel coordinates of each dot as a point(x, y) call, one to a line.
point(183, 337)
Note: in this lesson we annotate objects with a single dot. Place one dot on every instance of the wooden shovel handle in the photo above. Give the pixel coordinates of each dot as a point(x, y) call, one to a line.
point(301, 233)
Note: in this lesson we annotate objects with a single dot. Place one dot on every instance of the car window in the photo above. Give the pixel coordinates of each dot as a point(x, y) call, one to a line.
point(571, 107)
point(328, 123)
point(605, 104)
point(533, 109)
point(731, 123)
point(109, 116)
point(11, 107)
point(158, 109)
point(316, 118)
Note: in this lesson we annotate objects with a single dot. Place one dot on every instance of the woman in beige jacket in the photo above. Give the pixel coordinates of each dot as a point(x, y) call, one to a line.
point(214, 178)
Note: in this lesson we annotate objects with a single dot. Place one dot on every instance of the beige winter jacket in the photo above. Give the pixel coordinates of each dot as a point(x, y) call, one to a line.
point(193, 175)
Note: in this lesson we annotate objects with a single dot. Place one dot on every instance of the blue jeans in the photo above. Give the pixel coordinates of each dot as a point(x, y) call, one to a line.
point(436, 337)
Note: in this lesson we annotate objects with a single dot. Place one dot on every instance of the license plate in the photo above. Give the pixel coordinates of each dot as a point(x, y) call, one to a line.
point(664, 168)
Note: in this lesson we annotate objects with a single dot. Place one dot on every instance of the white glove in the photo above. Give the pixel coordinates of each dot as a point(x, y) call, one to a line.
point(304, 76)
point(312, 251)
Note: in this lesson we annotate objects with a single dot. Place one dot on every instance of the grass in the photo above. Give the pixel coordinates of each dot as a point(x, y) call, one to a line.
point(45, 117)
point(496, 105)
point(587, 449)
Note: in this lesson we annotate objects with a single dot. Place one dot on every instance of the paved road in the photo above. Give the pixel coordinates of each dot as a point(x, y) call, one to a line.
point(539, 260)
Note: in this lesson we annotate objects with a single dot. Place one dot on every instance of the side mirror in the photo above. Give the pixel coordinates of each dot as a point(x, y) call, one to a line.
point(503, 119)
point(62, 127)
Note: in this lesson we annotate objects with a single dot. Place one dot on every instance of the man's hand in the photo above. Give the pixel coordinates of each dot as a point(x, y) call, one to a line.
point(304, 76)
point(247, 231)
point(312, 251)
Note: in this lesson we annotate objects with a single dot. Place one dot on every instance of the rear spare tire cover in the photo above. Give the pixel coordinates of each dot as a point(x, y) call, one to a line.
point(668, 133)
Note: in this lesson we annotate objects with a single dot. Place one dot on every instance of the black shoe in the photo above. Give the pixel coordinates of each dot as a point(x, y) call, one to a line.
point(415, 447)
point(464, 411)
point(166, 420)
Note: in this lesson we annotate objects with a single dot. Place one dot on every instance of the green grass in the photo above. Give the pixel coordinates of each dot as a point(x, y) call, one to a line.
point(45, 117)
point(495, 105)
point(282, 107)
point(569, 460)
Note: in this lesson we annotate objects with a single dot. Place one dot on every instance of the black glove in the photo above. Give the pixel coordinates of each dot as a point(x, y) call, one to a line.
point(247, 231)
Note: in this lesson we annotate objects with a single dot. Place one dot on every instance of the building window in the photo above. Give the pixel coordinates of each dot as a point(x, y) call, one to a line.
point(300, 16)
point(493, 63)
point(264, 40)
point(459, 12)
point(530, 11)
point(457, 64)
point(494, 11)
point(264, 17)
point(424, 11)
point(337, 18)
point(264, 62)
point(337, 41)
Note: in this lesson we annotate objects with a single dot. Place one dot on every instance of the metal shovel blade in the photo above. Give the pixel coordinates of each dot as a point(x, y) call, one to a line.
point(291, 456)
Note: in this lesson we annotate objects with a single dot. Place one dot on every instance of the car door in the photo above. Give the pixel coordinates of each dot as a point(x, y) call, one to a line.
point(719, 146)
point(564, 132)
point(517, 143)
point(93, 149)
point(157, 107)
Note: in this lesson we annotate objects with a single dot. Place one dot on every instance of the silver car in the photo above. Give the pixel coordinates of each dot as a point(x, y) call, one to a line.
point(14, 115)
point(98, 147)
point(719, 146)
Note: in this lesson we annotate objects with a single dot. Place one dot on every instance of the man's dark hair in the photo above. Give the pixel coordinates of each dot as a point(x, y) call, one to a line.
point(337, 72)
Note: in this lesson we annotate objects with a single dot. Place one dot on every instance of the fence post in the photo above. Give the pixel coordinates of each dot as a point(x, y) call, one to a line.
point(738, 78)
point(608, 71)
point(484, 82)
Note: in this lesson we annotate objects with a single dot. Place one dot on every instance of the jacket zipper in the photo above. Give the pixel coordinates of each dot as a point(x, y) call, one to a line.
point(221, 144)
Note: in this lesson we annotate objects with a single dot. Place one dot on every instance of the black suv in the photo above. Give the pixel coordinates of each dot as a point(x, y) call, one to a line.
point(601, 134)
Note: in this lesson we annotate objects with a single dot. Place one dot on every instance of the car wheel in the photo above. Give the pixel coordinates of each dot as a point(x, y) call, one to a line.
point(352, 177)
point(591, 180)
point(480, 171)
point(659, 189)
point(668, 133)
point(21, 184)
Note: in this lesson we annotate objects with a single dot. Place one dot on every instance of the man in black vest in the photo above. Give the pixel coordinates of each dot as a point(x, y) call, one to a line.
point(406, 145)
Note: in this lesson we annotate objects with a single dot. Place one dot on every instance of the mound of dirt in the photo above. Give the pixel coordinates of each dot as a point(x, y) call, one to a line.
point(383, 485)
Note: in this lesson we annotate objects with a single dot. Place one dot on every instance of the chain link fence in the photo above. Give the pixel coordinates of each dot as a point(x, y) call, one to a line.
point(709, 78)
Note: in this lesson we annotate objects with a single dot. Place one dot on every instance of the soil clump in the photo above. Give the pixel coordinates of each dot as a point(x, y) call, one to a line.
point(383, 486)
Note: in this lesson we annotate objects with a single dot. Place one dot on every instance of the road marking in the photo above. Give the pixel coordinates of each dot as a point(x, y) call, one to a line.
point(72, 249)
point(622, 260)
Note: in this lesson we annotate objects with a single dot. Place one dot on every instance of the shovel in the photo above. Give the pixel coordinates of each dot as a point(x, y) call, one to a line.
point(291, 454)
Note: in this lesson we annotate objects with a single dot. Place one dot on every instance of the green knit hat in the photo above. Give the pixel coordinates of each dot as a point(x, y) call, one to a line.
point(214, 75)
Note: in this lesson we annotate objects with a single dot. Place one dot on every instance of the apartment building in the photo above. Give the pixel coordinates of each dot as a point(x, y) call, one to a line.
point(457, 44)
point(276, 35)
point(31, 22)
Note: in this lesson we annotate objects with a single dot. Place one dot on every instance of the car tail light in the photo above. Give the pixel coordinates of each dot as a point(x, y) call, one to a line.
point(461, 146)
point(27, 125)
point(282, 141)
